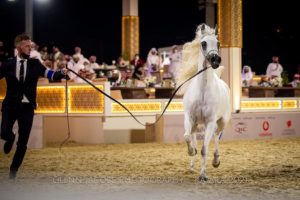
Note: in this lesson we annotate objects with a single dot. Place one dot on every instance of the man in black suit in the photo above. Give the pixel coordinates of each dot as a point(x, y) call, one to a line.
point(21, 74)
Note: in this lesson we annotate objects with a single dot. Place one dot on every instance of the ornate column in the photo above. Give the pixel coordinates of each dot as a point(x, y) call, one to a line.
point(130, 29)
point(230, 37)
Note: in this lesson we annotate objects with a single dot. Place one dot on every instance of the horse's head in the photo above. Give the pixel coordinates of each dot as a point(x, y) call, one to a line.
point(210, 45)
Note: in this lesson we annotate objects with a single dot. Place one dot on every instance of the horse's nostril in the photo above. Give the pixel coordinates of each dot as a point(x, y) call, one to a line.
point(215, 58)
point(215, 61)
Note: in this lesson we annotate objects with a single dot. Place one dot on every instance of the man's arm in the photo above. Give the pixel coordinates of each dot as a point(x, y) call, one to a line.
point(54, 75)
point(50, 74)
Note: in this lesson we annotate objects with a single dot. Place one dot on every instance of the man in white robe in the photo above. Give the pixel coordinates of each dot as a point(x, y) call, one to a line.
point(274, 69)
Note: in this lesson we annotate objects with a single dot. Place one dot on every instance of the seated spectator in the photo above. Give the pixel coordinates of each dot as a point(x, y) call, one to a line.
point(274, 69)
point(165, 65)
point(78, 53)
point(247, 76)
point(93, 62)
point(34, 52)
point(88, 71)
point(153, 62)
point(44, 53)
point(78, 68)
point(57, 56)
point(138, 64)
point(175, 58)
point(122, 63)
point(296, 81)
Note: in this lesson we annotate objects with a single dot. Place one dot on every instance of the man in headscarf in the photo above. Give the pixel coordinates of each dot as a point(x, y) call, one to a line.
point(246, 76)
point(153, 61)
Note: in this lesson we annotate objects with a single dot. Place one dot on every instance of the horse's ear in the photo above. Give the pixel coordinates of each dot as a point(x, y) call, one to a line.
point(202, 28)
point(216, 29)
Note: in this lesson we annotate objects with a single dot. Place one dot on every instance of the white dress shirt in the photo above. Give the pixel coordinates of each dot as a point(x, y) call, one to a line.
point(24, 100)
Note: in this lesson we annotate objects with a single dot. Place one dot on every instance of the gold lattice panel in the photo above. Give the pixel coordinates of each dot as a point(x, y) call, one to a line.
point(51, 99)
point(264, 105)
point(289, 104)
point(175, 106)
point(230, 23)
point(143, 107)
point(2, 88)
point(130, 36)
point(85, 99)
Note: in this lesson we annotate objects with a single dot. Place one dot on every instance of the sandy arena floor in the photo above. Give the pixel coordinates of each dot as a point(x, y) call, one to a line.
point(256, 169)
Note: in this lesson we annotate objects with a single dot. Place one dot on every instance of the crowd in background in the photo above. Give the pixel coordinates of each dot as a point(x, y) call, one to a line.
point(155, 68)
point(275, 76)
point(152, 70)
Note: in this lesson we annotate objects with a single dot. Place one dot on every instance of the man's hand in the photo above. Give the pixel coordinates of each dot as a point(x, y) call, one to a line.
point(64, 71)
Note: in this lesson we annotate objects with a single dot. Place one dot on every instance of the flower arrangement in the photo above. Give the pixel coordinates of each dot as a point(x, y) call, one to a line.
point(150, 81)
point(276, 82)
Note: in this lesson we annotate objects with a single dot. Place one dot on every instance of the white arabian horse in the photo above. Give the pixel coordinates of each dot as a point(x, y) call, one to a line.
point(206, 97)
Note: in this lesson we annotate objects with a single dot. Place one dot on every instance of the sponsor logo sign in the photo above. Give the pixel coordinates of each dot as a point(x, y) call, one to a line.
point(266, 128)
point(240, 128)
point(289, 130)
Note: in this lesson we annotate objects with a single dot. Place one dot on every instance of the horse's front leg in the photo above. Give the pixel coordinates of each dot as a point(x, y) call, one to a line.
point(217, 137)
point(209, 131)
point(194, 145)
point(189, 126)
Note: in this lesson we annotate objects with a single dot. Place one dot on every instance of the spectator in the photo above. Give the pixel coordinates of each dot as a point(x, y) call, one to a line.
point(274, 69)
point(34, 52)
point(153, 62)
point(78, 53)
point(296, 81)
point(175, 58)
point(247, 76)
point(44, 53)
point(138, 64)
point(93, 62)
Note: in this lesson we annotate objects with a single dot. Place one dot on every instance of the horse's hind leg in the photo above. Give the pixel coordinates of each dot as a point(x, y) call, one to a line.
point(216, 160)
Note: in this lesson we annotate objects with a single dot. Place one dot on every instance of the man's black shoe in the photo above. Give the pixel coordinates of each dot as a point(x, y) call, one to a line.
point(8, 145)
point(12, 174)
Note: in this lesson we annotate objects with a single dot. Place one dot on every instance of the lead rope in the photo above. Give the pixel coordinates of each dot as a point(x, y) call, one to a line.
point(115, 100)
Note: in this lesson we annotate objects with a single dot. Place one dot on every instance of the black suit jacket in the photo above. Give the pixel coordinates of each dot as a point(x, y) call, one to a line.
point(15, 90)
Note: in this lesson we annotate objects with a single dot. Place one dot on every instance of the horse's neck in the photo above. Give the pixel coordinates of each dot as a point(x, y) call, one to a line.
point(205, 76)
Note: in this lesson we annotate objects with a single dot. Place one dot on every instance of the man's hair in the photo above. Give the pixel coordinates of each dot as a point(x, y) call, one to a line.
point(20, 38)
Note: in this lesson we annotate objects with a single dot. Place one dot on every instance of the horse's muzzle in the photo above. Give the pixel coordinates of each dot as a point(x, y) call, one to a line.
point(214, 60)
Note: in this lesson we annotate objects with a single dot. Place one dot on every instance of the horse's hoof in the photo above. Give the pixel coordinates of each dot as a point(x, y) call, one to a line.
point(193, 153)
point(202, 178)
point(216, 165)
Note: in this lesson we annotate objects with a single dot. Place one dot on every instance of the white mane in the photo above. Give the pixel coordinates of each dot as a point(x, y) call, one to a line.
point(190, 58)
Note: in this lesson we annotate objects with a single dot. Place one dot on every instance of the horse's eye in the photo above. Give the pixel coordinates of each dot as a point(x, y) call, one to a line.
point(204, 45)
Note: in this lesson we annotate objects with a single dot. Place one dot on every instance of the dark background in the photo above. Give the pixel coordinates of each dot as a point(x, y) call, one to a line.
point(269, 27)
